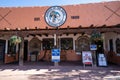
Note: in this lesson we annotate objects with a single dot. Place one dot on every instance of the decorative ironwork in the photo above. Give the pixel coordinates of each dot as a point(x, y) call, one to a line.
point(82, 43)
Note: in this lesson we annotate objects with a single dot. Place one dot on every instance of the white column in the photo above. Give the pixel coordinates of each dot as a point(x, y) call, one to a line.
point(74, 44)
point(6, 47)
point(17, 48)
point(55, 39)
point(104, 47)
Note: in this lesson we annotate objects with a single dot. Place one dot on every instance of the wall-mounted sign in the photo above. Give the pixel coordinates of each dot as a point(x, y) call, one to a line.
point(55, 16)
point(87, 57)
point(93, 47)
point(55, 55)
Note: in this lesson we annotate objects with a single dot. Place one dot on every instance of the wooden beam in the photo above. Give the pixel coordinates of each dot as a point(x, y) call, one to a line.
point(60, 31)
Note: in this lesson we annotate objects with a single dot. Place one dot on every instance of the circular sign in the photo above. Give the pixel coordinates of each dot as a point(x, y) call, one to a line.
point(55, 16)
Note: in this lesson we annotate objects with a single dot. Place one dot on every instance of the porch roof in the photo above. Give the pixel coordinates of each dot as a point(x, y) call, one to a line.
point(60, 31)
point(90, 15)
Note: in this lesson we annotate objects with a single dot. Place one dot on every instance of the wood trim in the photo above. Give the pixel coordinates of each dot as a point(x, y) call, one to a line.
point(24, 33)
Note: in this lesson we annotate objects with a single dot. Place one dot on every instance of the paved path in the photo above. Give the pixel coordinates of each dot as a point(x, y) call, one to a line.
point(35, 72)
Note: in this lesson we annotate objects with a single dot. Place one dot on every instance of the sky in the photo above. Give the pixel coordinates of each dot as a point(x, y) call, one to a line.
point(27, 3)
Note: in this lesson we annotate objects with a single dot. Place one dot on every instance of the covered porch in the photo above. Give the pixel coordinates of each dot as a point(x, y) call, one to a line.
point(71, 41)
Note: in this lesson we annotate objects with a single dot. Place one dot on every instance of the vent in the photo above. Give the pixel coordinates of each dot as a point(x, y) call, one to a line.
point(36, 19)
point(74, 17)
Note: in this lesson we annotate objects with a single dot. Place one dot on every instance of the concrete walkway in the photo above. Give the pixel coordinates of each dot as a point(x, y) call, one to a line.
point(37, 72)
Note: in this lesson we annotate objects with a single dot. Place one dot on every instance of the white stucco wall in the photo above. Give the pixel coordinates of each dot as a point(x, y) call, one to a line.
point(113, 36)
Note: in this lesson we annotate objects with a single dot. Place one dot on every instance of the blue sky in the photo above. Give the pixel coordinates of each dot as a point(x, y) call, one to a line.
point(17, 3)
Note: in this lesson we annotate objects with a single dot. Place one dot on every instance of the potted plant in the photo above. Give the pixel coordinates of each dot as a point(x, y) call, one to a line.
point(15, 40)
point(95, 37)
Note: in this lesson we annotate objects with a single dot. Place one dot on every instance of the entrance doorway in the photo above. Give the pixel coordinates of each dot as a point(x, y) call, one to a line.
point(99, 47)
point(25, 50)
point(2, 51)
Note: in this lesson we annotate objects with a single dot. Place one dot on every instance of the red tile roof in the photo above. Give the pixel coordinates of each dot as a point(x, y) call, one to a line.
point(98, 14)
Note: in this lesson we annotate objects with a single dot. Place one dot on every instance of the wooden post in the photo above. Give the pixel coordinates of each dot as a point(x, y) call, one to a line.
point(28, 56)
point(94, 58)
point(21, 52)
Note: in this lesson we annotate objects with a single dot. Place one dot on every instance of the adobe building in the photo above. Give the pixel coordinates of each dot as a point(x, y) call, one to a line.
point(82, 25)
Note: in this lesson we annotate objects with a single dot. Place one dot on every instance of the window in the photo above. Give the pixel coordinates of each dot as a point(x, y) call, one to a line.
point(66, 43)
point(11, 48)
point(118, 45)
point(74, 17)
point(48, 43)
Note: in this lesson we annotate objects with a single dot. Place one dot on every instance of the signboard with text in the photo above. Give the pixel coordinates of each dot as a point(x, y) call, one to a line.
point(102, 60)
point(55, 55)
point(93, 47)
